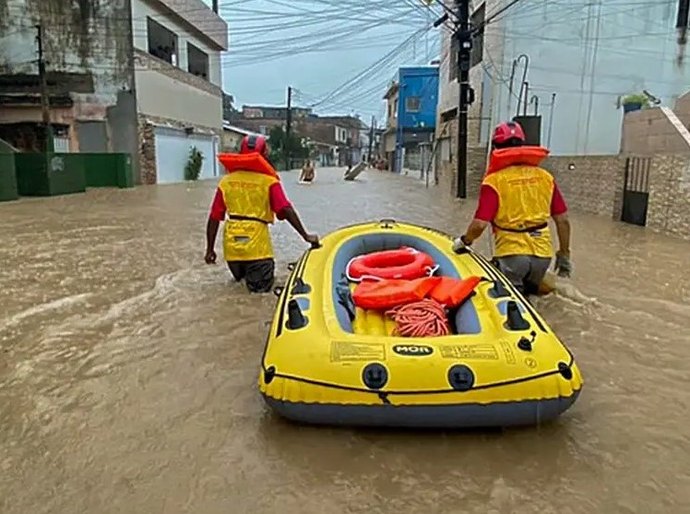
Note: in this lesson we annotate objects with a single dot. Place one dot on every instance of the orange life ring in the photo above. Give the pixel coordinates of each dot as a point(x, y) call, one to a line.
point(404, 263)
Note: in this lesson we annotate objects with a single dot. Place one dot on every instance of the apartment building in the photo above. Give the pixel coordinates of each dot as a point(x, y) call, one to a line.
point(142, 77)
point(178, 73)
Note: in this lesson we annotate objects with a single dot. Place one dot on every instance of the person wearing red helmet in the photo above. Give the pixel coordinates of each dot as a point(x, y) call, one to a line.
point(517, 198)
point(248, 199)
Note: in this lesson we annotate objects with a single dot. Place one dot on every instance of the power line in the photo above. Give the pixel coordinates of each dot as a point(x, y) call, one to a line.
point(368, 69)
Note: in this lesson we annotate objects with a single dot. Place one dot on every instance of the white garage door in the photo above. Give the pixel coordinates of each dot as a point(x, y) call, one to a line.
point(172, 154)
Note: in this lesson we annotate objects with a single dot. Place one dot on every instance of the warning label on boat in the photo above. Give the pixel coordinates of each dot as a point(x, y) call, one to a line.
point(342, 351)
point(467, 351)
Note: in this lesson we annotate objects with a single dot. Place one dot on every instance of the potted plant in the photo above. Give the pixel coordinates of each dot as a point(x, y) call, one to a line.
point(635, 102)
point(193, 168)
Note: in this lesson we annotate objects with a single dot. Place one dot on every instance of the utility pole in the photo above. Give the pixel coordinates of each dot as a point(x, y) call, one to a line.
point(288, 128)
point(371, 138)
point(45, 100)
point(463, 36)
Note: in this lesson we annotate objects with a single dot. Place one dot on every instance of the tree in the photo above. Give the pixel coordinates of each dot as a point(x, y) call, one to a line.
point(229, 111)
point(277, 139)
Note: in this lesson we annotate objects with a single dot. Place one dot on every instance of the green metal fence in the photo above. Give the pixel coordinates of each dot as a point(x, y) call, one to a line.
point(40, 174)
point(104, 169)
point(8, 177)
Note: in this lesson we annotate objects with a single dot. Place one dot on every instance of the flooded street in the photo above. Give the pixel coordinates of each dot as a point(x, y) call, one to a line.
point(128, 372)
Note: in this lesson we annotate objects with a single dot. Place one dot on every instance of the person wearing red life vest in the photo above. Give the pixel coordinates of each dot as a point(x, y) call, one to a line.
point(248, 199)
point(517, 198)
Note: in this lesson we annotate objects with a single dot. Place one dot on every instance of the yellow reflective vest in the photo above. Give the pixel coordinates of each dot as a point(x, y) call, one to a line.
point(246, 236)
point(524, 208)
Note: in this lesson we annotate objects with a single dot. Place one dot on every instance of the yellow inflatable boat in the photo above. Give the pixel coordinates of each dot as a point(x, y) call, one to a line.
point(328, 362)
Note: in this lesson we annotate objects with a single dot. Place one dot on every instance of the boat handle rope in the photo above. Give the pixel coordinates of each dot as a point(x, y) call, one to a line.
point(360, 279)
point(431, 270)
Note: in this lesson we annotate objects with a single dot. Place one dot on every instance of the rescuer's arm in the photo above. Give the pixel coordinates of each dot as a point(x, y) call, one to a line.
point(483, 216)
point(474, 231)
point(216, 215)
point(559, 213)
point(563, 230)
point(290, 214)
point(284, 210)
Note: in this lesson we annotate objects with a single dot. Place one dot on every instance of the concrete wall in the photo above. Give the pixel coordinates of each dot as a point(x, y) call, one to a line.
point(87, 37)
point(143, 9)
point(255, 124)
point(167, 92)
point(392, 109)
point(669, 195)
point(88, 48)
point(146, 137)
point(199, 17)
point(649, 132)
point(445, 161)
point(602, 50)
point(682, 109)
point(594, 185)
point(230, 141)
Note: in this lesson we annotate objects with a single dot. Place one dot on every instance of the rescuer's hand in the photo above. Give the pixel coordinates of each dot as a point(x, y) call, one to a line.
point(460, 244)
point(210, 256)
point(563, 265)
point(313, 240)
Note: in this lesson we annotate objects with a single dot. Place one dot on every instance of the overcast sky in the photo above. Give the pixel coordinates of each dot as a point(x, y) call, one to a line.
point(270, 42)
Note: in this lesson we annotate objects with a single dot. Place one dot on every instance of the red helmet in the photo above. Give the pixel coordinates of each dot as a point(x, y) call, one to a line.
point(506, 131)
point(251, 144)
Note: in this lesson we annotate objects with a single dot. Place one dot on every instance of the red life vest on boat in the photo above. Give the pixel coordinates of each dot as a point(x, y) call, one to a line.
point(386, 294)
point(452, 292)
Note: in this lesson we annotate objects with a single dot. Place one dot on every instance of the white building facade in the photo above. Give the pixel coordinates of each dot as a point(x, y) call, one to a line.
point(581, 57)
point(178, 76)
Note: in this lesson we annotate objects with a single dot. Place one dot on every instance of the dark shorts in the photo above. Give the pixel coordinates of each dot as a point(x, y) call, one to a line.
point(525, 272)
point(258, 275)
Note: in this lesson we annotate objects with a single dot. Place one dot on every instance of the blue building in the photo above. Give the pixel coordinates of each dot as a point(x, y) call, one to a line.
point(412, 103)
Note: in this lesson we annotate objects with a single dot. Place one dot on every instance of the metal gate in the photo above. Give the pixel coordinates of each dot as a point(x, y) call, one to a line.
point(636, 190)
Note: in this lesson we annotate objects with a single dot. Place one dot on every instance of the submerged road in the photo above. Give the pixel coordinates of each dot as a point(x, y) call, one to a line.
point(128, 372)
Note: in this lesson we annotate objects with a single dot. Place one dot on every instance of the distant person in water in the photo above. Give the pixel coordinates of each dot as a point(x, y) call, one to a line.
point(248, 199)
point(308, 173)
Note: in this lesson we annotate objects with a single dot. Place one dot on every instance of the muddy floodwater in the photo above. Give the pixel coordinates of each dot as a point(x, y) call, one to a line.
point(128, 372)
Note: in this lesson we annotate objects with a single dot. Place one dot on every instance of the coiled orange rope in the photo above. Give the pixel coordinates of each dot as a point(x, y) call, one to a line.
point(425, 318)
